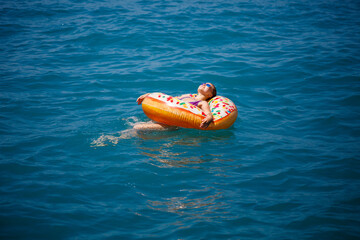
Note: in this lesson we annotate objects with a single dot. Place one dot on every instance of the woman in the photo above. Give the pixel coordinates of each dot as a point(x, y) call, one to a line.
point(206, 91)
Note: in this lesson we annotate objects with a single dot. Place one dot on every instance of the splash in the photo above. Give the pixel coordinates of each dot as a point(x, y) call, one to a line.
point(105, 140)
point(113, 139)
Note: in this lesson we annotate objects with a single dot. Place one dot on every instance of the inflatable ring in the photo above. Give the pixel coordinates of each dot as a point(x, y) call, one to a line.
point(172, 111)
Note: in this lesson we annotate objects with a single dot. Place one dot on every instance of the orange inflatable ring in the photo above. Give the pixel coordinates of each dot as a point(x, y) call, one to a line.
point(172, 111)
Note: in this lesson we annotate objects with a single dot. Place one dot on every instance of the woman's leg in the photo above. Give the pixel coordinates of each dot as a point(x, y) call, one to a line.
point(151, 126)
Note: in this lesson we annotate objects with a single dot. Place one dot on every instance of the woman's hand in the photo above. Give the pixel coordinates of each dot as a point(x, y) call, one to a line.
point(141, 98)
point(206, 121)
point(204, 105)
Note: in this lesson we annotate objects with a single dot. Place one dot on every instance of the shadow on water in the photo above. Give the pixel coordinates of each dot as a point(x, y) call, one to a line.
point(188, 149)
point(183, 147)
point(184, 150)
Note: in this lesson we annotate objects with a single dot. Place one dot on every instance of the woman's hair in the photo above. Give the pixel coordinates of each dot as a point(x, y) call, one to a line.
point(214, 92)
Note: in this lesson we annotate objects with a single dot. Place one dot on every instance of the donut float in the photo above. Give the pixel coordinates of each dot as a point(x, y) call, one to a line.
point(172, 111)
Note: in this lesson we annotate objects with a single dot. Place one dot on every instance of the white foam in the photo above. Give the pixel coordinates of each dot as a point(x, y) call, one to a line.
point(113, 139)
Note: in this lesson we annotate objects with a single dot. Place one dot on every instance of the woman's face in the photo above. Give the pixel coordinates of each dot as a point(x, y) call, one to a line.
point(206, 89)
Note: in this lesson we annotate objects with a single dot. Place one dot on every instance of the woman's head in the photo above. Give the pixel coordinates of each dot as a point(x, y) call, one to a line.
point(208, 90)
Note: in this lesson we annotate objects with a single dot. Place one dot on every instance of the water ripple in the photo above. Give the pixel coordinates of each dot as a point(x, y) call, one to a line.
point(72, 167)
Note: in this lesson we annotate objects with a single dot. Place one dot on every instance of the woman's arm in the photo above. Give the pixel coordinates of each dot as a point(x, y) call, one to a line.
point(204, 105)
point(141, 98)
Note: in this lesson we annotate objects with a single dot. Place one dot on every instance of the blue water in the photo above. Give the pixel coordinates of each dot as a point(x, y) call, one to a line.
point(72, 168)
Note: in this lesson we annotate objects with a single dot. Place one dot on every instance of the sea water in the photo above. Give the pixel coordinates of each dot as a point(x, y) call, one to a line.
point(73, 168)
